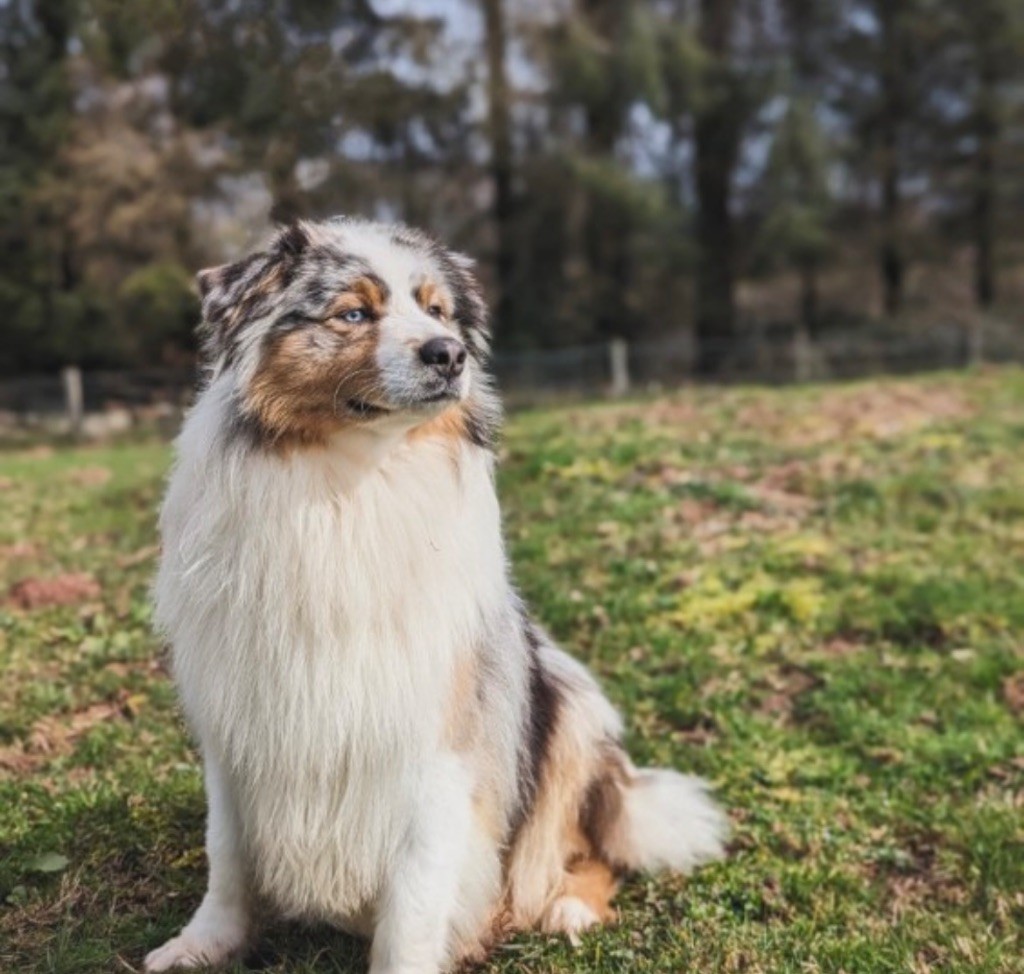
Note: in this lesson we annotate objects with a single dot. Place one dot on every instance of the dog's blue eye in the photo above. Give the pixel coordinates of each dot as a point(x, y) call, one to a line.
point(354, 316)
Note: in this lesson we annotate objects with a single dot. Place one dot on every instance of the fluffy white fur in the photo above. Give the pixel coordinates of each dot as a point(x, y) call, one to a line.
point(320, 604)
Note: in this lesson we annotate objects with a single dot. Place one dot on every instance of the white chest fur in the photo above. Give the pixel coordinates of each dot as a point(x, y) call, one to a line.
point(316, 606)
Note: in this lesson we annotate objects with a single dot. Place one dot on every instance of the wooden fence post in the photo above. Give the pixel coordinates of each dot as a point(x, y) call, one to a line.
point(618, 359)
point(74, 401)
point(976, 339)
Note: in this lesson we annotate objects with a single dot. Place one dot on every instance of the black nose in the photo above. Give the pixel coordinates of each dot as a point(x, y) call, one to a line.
point(447, 355)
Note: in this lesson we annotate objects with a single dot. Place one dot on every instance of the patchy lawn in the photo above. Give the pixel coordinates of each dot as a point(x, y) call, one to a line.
point(814, 597)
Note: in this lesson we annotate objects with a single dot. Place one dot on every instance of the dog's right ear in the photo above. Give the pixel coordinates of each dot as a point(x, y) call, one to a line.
point(221, 289)
point(226, 296)
point(208, 279)
point(234, 294)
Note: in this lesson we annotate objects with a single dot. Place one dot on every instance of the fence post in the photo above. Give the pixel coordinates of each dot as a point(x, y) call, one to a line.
point(802, 366)
point(976, 339)
point(618, 359)
point(71, 377)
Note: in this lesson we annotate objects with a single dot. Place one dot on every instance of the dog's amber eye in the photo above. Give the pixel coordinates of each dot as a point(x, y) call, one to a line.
point(435, 311)
point(354, 316)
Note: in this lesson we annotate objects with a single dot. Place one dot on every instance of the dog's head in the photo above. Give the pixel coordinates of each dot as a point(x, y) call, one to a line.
point(348, 323)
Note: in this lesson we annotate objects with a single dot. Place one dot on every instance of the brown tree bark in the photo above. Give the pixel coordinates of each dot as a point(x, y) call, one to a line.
point(502, 162)
point(717, 128)
point(809, 297)
point(607, 226)
point(891, 257)
point(984, 206)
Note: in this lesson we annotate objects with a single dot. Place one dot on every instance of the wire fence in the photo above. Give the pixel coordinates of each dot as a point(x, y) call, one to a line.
point(97, 404)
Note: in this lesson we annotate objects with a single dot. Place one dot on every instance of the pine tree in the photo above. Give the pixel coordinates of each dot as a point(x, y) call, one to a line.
point(38, 304)
point(797, 204)
point(985, 49)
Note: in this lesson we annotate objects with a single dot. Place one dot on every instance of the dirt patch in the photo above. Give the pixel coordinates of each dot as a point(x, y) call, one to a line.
point(842, 646)
point(90, 476)
point(40, 593)
point(913, 876)
point(55, 735)
point(783, 689)
point(19, 550)
point(883, 411)
point(139, 557)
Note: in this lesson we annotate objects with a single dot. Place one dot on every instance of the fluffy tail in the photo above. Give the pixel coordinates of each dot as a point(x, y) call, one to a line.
point(660, 819)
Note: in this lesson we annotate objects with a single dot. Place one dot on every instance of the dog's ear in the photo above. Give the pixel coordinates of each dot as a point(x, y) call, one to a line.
point(470, 307)
point(237, 293)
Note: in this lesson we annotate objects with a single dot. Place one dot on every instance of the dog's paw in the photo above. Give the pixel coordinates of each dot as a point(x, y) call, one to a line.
point(187, 951)
point(571, 916)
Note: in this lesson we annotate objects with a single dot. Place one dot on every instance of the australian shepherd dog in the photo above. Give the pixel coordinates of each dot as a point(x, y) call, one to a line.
point(390, 743)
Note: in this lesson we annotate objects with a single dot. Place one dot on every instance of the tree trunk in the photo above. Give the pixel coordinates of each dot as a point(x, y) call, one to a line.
point(986, 132)
point(608, 224)
point(891, 255)
point(807, 323)
point(502, 163)
point(809, 297)
point(716, 136)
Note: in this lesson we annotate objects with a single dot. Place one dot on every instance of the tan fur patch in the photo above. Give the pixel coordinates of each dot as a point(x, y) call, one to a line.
point(429, 295)
point(299, 392)
point(450, 425)
point(364, 292)
point(593, 882)
point(552, 837)
point(462, 717)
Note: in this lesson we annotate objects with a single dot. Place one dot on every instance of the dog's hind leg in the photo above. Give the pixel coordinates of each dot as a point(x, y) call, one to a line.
point(221, 926)
point(595, 815)
point(584, 901)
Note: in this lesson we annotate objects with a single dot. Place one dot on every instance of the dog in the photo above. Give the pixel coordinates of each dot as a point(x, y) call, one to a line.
point(390, 743)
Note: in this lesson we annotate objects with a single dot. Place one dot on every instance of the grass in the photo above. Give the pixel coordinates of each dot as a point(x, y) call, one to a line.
point(814, 597)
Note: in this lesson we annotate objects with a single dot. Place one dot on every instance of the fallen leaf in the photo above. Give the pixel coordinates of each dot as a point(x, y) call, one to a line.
point(1013, 692)
point(48, 862)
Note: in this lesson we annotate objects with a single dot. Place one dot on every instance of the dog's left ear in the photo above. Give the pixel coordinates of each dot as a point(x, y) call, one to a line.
point(470, 307)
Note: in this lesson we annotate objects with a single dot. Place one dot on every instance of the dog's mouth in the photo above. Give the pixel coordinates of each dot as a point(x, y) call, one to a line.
point(447, 394)
point(368, 410)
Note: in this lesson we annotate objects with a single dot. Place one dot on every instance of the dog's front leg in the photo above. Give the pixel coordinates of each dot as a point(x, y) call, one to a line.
point(221, 926)
point(419, 902)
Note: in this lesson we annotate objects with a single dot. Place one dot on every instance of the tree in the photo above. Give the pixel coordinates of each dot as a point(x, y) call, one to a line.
point(887, 67)
point(276, 76)
point(798, 205)
point(501, 155)
point(37, 279)
point(987, 45)
point(722, 91)
point(718, 129)
point(605, 64)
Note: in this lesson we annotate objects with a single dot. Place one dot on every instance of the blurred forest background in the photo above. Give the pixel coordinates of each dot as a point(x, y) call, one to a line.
point(621, 168)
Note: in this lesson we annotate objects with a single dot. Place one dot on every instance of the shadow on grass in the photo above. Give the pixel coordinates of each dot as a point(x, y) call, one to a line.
point(136, 871)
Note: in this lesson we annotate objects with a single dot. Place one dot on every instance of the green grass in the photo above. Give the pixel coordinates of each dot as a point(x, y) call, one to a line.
point(814, 597)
